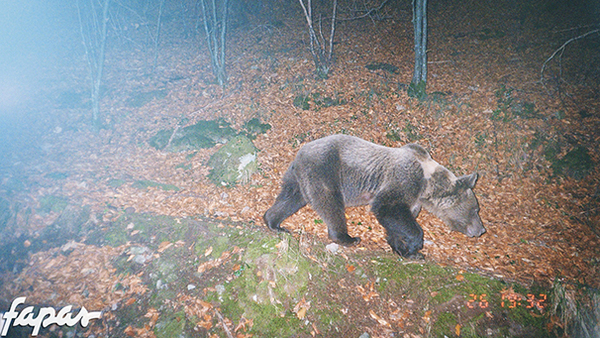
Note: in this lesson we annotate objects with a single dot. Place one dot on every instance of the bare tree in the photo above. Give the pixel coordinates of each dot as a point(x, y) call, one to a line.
point(419, 80)
point(93, 19)
point(215, 15)
point(321, 48)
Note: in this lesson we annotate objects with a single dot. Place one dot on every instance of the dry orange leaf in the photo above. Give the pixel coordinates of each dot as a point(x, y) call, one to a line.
point(130, 331)
point(130, 301)
point(380, 320)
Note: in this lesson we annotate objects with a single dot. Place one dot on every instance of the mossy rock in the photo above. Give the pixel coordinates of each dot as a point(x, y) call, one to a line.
point(274, 279)
point(234, 163)
point(204, 134)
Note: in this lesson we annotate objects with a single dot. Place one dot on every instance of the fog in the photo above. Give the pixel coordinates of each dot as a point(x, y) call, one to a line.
point(36, 39)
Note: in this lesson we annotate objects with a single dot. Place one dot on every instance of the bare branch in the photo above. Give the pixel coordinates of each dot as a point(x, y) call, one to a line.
point(561, 50)
point(367, 12)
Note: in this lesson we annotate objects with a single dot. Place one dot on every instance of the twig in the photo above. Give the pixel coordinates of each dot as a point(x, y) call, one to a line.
point(222, 321)
point(157, 36)
point(367, 13)
point(172, 135)
point(573, 28)
point(561, 50)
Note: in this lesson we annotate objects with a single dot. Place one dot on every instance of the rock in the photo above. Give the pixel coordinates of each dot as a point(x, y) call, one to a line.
point(234, 163)
point(332, 247)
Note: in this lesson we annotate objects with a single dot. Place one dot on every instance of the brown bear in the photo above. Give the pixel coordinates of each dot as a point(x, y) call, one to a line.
point(340, 171)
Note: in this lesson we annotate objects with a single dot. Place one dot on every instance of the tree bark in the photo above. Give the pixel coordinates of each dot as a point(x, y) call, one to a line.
point(419, 81)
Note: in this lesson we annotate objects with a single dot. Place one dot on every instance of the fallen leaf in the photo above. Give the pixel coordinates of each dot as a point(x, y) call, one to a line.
point(164, 246)
point(427, 316)
point(129, 331)
point(380, 320)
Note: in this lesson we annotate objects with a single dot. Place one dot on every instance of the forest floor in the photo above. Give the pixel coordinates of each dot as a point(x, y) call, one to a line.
point(533, 143)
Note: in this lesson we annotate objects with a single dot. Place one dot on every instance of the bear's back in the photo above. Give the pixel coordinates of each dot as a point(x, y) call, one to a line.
point(363, 167)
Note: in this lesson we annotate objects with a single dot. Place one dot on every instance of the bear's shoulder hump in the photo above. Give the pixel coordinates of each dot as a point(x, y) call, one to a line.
point(418, 151)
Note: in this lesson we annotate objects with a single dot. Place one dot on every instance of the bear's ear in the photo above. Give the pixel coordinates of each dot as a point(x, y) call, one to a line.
point(468, 180)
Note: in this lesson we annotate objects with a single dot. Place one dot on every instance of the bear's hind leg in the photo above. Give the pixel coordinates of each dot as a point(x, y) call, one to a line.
point(330, 207)
point(287, 203)
point(404, 234)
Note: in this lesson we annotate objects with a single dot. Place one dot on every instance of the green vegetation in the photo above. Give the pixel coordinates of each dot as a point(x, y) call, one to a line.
point(509, 107)
point(52, 203)
point(382, 66)
point(233, 163)
point(304, 101)
point(203, 134)
point(284, 287)
point(577, 163)
point(139, 99)
point(145, 184)
point(254, 127)
point(417, 90)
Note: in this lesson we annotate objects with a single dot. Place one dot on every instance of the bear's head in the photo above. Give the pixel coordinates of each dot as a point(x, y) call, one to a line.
point(453, 201)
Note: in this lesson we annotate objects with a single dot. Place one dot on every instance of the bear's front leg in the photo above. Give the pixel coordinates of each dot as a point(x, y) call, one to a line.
point(404, 234)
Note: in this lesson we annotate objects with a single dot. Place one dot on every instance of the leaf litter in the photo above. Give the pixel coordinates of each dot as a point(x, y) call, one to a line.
point(536, 225)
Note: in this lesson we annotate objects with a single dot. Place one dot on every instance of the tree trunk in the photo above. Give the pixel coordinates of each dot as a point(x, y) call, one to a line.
point(93, 30)
point(419, 81)
point(215, 26)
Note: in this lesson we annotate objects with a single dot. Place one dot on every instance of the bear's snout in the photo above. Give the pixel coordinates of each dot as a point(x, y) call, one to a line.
point(476, 229)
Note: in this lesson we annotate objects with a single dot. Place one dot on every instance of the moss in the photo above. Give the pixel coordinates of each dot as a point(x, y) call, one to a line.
point(52, 203)
point(382, 66)
point(145, 184)
point(271, 275)
point(254, 127)
point(116, 236)
point(170, 327)
point(57, 175)
point(576, 164)
point(275, 279)
point(488, 33)
point(203, 134)
point(115, 183)
point(302, 102)
point(444, 324)
point(417, 90)
point(138, 99)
